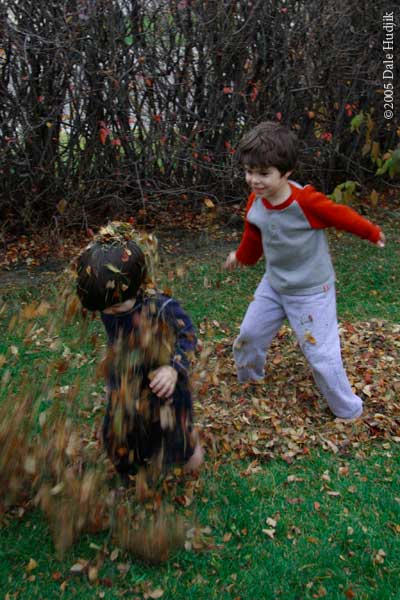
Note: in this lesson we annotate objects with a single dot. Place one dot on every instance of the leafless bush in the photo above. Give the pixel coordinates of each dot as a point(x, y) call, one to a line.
point(112, 106)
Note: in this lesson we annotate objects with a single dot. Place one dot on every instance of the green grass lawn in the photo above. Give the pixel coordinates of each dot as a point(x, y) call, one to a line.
point(325, 526)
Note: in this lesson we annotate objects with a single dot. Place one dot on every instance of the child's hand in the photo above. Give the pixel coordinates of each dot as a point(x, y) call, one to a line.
point(163, 381)
point(382, 240)
point(231, 261)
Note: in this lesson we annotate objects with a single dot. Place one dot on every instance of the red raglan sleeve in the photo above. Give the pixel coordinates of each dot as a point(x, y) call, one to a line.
point(322, 212)
point(250, 248)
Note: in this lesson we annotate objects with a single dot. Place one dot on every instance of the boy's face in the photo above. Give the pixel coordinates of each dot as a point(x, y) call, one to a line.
point(122, 307)
point(267, 182)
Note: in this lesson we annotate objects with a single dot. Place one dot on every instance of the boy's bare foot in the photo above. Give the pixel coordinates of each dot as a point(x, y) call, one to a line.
point(195, 460)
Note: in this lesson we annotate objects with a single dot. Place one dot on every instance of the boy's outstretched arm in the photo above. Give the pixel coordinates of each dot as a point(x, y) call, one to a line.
point(322, 212)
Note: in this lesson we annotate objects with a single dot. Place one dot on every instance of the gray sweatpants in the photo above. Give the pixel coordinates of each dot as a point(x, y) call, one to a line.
point(314, 321)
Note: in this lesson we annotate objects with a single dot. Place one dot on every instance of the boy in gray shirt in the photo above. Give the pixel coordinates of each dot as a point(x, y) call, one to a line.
point(286, 222)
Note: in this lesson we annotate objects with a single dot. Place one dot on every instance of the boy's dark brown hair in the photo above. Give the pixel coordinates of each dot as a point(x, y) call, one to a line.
point(269, 144)
point(109, 273)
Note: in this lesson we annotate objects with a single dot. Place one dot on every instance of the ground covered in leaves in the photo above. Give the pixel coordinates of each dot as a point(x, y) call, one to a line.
point(51, 459)
point(285, 416)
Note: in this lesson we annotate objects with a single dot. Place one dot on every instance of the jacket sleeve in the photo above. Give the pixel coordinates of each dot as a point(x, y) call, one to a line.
point(250, 248)
point(184, 330)
point(322, 212)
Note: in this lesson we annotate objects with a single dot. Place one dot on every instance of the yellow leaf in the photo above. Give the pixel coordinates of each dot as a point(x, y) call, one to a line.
point(61, 206)
point(209, 203)
point(375, 150)
point(374, 198)
point(155, 593)
point(79, 567)
point(32, 564)
point(308, 337)
point(92, 574)
point(269, 532)
point(113, 268)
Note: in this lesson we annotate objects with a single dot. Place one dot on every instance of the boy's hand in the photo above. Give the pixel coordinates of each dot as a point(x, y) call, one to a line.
point(163, 381)
point(231, 261)
point(382, 240)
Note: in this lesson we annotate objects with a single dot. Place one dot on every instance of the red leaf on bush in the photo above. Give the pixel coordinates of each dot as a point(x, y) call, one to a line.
point(254, 94)
point(104, 133)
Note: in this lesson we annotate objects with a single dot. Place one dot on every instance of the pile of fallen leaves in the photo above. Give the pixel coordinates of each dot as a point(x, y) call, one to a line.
point(285, 416)
point(36, 248)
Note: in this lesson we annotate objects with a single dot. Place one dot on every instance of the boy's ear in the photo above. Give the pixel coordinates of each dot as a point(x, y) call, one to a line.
point(288, 174)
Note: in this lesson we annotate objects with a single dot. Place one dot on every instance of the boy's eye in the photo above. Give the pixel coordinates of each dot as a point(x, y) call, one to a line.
point(251, 172)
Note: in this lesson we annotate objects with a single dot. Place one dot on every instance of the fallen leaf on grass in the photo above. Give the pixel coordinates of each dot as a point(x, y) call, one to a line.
point(79, 567)
point(379, 557)
point(32, 564)
point(269, 532)
point(158, 593)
